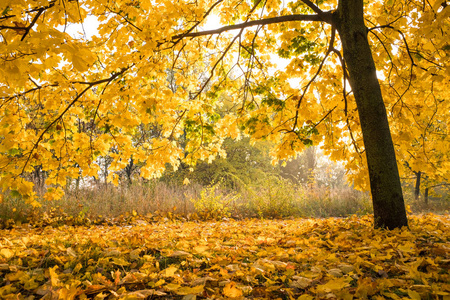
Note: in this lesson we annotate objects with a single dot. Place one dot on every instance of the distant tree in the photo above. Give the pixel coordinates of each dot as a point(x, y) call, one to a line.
point(300, 169)
point(243, 164)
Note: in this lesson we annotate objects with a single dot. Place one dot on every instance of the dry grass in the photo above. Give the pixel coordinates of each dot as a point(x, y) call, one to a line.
point(152, 197)
point(270, 197)
point(279, 198)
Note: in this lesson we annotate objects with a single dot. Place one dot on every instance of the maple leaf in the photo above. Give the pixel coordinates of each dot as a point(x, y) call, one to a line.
point(230, 290)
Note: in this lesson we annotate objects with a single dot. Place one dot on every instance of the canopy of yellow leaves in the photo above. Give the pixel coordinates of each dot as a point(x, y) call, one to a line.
point(138, 89)
point(254, 259)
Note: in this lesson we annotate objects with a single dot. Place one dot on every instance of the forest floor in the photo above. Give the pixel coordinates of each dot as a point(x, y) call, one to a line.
point(332, 258)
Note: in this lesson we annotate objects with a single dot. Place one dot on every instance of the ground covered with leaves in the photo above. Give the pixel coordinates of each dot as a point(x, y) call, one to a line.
point(251, 259)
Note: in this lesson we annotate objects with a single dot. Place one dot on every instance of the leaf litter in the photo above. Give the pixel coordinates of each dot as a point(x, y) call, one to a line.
point(334, 258)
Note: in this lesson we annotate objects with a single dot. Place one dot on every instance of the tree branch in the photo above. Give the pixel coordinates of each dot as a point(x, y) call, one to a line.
point(326, 17)
point(27, 30)
point(311, 18)
point(179, 37)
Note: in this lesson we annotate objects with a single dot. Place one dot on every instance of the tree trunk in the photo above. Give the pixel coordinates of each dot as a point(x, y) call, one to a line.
point(129, 171)
point(310, 156)
point(388, 205)
point(417, 187)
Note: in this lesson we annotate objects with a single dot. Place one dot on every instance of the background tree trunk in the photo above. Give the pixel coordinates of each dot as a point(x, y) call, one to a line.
point(417, 186)
point(387, 197)
point(311, 163)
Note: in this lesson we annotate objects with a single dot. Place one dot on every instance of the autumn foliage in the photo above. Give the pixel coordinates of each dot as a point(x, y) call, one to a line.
point(336, 258)
point(153, 86)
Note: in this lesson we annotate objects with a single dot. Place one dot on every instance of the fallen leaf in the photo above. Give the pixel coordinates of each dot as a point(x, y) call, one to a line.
point(230, 290)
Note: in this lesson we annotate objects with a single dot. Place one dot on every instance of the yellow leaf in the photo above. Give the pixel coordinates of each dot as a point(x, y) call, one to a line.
point(334, 285)
point(19, 275)
point(158, 283)
point(6, 253)
point(141, 294)
point(391, 295)
point(120, 261)
point(77, 268)
point(25, 188)
point(179, 254)
point(79, 64)
point(414, 295)
point(66, 293)
point(301, 282)
point(172, 287)
point(102, 296)
point(71, 252)
point(53, 276)
point(305, 297)
point(31, 284)
point(230, 290)
point(170, 271)
point(186, 290)
point(200, 249)
point(335, 272)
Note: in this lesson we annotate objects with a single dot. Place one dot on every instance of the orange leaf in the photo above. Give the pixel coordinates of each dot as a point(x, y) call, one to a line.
point(230, 290)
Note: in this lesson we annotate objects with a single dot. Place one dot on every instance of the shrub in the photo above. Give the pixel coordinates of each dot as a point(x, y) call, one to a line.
point(214, 203)
point(272, 197)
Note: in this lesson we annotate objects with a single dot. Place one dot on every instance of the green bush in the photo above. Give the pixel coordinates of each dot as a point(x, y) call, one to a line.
point(272, 197)
point(214, 203)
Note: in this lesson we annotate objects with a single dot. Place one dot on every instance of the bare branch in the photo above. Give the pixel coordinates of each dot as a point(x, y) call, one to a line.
point(274, 20)
point(180, 117)
point(27, 30)
point(216, 64)
point(321, 120)
point(178, 38)
point(325, 17)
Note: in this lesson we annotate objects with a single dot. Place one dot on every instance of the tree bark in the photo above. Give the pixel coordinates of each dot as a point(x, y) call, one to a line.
point(387, 197)
point(417, 186)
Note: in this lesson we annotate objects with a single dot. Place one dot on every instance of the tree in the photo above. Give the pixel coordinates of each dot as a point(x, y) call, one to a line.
point(387, 197)
point(302, 168)
point(116, 81)
point(243, 165)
